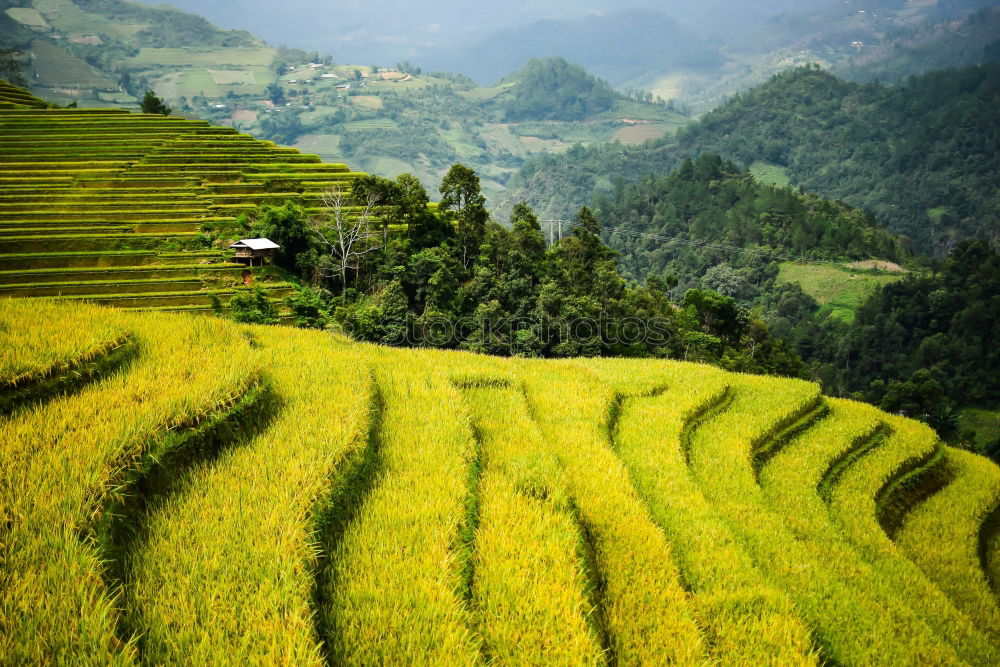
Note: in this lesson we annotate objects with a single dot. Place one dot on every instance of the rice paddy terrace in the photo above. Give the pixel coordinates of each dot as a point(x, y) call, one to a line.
point(114, 207)
point(180, 489)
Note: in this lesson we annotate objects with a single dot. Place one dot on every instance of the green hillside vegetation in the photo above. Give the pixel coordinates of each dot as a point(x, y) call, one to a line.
point(109, 51)
point(580, 511)
point(425, 122)
point(841, 289)
point(923, 345)
point(137, 210)
point(921, 156)
point(553, 89)
point(708, 210)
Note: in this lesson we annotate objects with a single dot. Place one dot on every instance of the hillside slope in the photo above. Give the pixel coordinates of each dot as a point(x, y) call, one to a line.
point(379, 118)
point(369, 504)
point(136, 210)
point(921, 156)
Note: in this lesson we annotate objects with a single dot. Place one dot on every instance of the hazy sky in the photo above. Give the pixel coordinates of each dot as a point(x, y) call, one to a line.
point(387, 30)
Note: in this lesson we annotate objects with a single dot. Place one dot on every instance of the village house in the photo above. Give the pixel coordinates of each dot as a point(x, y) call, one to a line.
point(253, 250)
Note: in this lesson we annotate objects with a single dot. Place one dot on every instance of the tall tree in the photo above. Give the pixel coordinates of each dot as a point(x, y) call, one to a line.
point(345, 234)
point(462, 196)
point(529, 242)
point(286, 225)
point(386, 196)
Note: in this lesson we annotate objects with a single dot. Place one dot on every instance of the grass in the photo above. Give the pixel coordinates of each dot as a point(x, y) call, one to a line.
point(404, 534)
point(390, 167)
point(30, 353)
point(252, 491)
point(209, 58)
point(743, 616)
point(840, 290)
point(770, 174)
point(56, 68)
point(637, 134)
point(811, 455)
point(28, 16)
point(986, 424)
point(52, 578)
point(519, 593)
point(643, 621)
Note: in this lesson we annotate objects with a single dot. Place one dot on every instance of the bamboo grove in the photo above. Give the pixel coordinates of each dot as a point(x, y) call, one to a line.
point(177, 489)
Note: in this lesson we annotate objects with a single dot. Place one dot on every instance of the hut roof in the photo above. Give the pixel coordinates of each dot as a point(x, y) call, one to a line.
point(256, 244)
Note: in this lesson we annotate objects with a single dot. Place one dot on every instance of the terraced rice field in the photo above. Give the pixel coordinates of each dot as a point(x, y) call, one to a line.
point(114, 207)
point(213, 492)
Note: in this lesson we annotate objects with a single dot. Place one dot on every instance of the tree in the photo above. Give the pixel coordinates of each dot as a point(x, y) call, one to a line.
point(307, 309)
point(275, 93)
point(346, 234)
point(386, 196)
point(153, 104)
point(253, 307)
point(286, 225)
point(461, 195)
point(529, 242)
point(282, 126)
point(11, 67)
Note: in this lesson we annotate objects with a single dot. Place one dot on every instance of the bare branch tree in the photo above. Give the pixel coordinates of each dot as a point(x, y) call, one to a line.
point(346, 233)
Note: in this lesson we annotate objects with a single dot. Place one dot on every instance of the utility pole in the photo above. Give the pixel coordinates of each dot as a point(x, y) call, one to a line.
point(560, 231)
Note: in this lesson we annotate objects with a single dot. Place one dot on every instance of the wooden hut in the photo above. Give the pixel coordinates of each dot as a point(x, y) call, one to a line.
point(254, 251)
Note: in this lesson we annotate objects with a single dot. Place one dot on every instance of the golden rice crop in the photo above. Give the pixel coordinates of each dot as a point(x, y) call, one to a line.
point(46, 338)
point(646, 612)
point(991, 557)
point(62, 462)
point(942, 536)
point(853, 506)
point(853, 500)
point(528, 576)
point(400, 506)
point(850, 626)
point(394, 580)
point(243, 527)
point(743, 616)
point(790, 484)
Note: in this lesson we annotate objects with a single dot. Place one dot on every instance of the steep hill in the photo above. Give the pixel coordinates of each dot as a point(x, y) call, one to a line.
point(136, 210)
point(371, 504)
point(709, 213)
point(928, 46)
point(921, 156)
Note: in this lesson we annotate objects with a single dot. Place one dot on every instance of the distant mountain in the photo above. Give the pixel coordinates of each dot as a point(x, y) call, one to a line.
point(923, 156)
point(927, 46)
point(858, 39)
point(618, 47)
point(386, 31)
point(835, 30)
